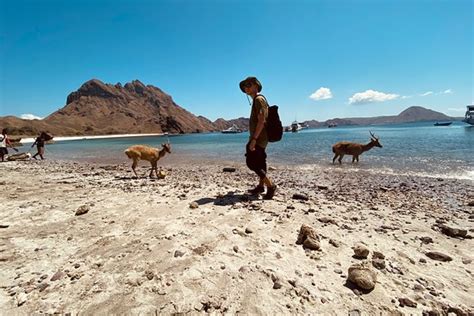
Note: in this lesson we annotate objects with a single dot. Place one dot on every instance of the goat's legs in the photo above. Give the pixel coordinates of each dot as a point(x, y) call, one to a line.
point(357, 158)
point(334, 159)
point(134, 165)
point(353, 158)
point(340, 158)
point(154, 168)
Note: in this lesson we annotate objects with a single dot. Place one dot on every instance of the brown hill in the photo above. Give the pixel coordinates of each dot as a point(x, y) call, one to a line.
point(97, 108)
point(133, 108)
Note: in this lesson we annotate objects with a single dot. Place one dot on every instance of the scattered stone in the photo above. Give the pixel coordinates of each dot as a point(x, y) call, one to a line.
point(277, 285)
point(453, 232)
point(193, 205)
point(327, 220)
point(378, 255)
point(57, 276)
point(426, 240)
point(82, 210)
point(422, 260)
point(229, 169)
point(406, 302)
point(236, 249)
point(378, 263)
point(308, 238)
point(354, 312)
point(435, 255)
point(149, 275)
point(361, 251)
point(300, 196)
point(248, 230)
point(42, 286)
point(335, 243)
point(362, 276)
point(77, 265)
point(471, 203)
point(21, 298)
point(178, 253)
point(4, 226)
point(466, 260)
point(338, 271)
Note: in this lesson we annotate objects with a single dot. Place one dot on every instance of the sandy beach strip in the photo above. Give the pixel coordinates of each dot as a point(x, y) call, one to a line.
point(27, 140)
point(196, 242)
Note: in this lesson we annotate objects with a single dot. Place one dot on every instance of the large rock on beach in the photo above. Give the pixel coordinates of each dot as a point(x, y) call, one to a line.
point(308, 238)
point(362, 276)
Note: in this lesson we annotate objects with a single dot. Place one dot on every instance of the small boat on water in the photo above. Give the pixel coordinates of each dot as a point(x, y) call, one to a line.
point(469, 116)
point(295, 127)
point(232, 130)
point(443, 123)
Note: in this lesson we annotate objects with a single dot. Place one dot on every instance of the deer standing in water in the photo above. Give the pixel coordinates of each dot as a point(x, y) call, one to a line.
point(142, 152)
point(347, 148)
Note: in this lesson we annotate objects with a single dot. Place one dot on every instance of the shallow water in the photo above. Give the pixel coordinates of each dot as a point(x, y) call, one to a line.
point(418, 148)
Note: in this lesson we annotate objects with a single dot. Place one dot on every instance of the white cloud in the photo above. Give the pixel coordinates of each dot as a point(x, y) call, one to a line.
point(321, 94)
point(406, 96)
point(448, 91)
point(426, 93)
point(371, 96)
point(29, 116)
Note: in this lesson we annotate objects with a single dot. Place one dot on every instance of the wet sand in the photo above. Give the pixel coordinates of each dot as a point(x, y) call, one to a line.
point(196, 242)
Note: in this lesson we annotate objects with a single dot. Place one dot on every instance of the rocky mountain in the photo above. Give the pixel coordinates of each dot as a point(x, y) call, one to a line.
point(97, 108)
point(241, 122)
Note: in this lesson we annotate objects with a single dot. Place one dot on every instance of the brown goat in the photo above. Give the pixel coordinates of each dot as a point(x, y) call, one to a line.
point(143, 152)
point(347, 148)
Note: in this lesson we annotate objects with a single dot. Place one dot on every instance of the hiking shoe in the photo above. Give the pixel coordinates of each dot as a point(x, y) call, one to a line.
point(257, 190)
point(270, 192)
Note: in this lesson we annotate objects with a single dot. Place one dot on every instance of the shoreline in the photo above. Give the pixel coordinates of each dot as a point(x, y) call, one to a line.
point(195, 242)
point(28, 140)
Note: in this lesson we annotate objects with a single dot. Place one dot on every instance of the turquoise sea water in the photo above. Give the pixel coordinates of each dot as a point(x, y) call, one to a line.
point(419, 148)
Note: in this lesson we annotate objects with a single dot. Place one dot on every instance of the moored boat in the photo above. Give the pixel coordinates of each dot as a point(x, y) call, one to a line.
point(232, 130)
point(443, 123)
point(469, 116)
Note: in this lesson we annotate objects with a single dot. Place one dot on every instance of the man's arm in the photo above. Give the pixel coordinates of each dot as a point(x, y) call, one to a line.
point(260, 125)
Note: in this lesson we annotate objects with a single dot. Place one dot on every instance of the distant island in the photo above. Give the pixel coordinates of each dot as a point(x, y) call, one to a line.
point(97, 108)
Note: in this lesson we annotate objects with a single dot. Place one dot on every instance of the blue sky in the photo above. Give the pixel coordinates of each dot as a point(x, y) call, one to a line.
point(370, 57)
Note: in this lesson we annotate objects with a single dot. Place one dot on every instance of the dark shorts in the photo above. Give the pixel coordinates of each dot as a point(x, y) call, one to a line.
point(3, 151)
point(257, 160)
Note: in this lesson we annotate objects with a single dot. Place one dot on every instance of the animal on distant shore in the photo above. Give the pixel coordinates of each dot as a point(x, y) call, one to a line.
point(143, 152)
point(347, 148)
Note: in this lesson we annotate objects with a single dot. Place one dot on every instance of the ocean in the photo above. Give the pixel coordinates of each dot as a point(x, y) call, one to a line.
point(417, 148)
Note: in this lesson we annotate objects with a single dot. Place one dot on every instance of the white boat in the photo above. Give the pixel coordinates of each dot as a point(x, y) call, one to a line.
point(232, 130)
point(295, 127)
point(469, 116)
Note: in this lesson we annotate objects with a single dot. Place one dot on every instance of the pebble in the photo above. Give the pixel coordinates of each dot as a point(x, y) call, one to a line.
point(335, 243)
point(193, 205)
point(406, 302)
point(248, 230)
point(4, 226)
point(361, 251)
point(435, 255)
point(178, 253)
point(82, 210)
point(229, 169)
point(300, 196)
point(277, 285)
point(236, 249)
point(42, 286)
point(378, 263)
point(21, 298)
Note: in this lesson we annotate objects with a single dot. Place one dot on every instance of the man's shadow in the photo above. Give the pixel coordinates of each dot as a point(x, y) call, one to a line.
point(229, 199)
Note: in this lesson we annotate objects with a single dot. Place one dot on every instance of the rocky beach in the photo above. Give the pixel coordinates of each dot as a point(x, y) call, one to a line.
point(90, 239)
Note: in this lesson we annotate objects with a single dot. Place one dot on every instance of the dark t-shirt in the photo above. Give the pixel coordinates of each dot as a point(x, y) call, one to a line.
point(40, 142)
point(259, 105)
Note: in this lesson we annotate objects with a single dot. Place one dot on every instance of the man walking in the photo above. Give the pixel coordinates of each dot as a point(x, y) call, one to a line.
point(255, 152)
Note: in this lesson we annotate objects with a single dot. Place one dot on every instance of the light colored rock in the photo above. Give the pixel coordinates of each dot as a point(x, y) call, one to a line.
point(362, 276)
point(361, 251)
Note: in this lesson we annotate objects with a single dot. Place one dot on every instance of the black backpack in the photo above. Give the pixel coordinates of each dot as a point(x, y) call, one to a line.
point(273, 125)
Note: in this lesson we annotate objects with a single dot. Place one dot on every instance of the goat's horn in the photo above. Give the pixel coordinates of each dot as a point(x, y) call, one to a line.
point(372, 134)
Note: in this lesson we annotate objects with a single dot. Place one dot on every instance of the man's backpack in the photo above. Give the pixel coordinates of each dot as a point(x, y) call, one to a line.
point(273, 125)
